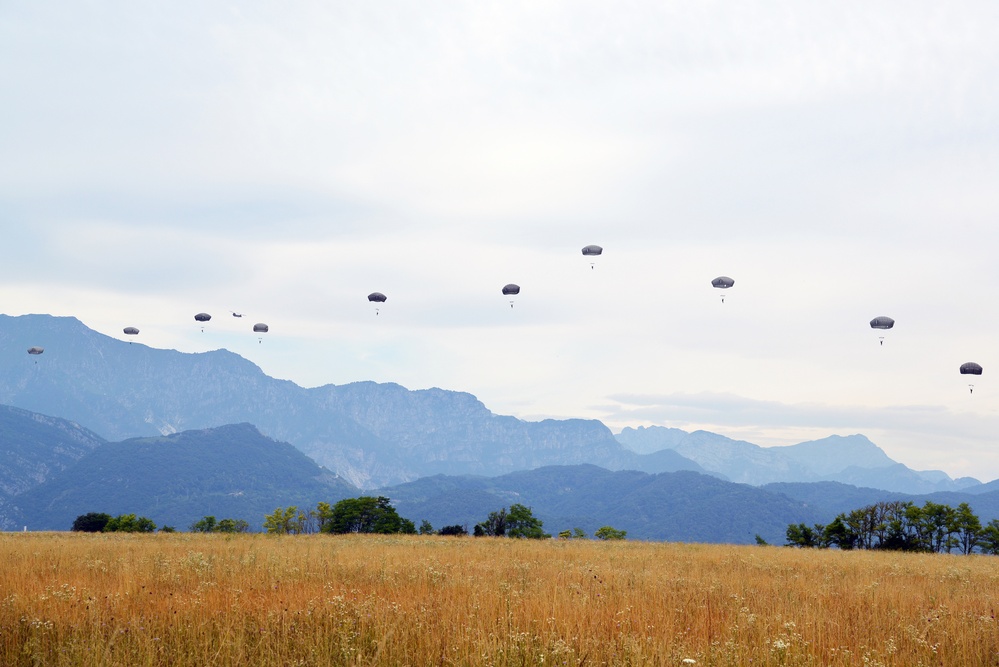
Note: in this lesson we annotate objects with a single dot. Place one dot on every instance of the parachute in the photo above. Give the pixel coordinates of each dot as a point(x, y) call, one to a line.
point(722, 282)
point(377, 297)
point(202, 317)
point(511, 290)
point(260, 327)
point(884, 323)
point(130, 331)
point(35, 350)
point(592, 251)
point(971, 368)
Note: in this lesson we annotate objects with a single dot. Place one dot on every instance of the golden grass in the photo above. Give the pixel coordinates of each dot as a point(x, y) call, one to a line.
point(185, 599)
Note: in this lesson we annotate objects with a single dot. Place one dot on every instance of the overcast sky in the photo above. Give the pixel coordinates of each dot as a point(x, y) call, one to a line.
point(839, 160)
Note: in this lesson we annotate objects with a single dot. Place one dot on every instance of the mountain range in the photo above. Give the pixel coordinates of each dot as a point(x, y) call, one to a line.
point(92, 402)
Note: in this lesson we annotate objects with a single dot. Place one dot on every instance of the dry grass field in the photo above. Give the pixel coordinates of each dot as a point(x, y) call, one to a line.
point(186, 599)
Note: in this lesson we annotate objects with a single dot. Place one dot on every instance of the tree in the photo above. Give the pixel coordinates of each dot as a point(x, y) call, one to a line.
point(426, 528)
point(324, 516)
point(968, 528)
point(838, 534)
point(456, 530)
point(92, 522)
point(366, 514)
point(521, 522)
point(800, 535)
point(204, 525)
point(283, 522)
point(574, 534)
point(494, 525)
point(609, 533)
point(129, 523)
point(208, 524)
point(988, 540)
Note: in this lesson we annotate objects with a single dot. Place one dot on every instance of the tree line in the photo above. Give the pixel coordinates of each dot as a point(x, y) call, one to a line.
point(902, 526)
point(367, 514)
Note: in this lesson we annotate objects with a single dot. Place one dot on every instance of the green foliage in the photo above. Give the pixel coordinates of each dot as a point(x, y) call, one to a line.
point(988, 539)
point(129, 523)
point(609, 533)
point(167, 529)
point(208, 524)
point(204, 525)
point(455, 530)
point(574, 534)
point(521, 522)
point(92, 522)
point(760, 541)
point(283, 521)
point(366, 514)
point(426, 528)
point(800, 535)
point(233, 526)
point(902, 526)
point(493, 526)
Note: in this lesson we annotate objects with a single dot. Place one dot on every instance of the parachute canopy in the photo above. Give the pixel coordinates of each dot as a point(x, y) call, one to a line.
point(131, 331)
point(971, 368)
point(35, 350)
point(511, 289)
point(260, 327)
point(722, 282)
point(377, 297)
point(592, 250)
point(882, 322)
point(202, 317)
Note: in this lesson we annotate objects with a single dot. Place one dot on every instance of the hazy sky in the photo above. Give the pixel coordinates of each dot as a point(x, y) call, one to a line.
point(839, 160)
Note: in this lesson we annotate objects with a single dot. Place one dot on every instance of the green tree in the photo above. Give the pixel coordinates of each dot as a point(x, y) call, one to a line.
point(838, 534)
point(129, 523)
point(324, 516)
point(988, 539)
point(232, 526)
point(205, 524)
point(455, 530)
point(521, 522)
point(283, 521)
point(494, 525)
point(968, 528)
point(426, 528)
point(800, 535)
point(92, 522)
point(609, 533)
point(367, 514)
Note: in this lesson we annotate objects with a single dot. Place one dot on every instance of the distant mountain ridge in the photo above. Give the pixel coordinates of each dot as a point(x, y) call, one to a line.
point(229, 472)
point(377, 435)
point(35, 447)
point(371, 434)
point(849, 459)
